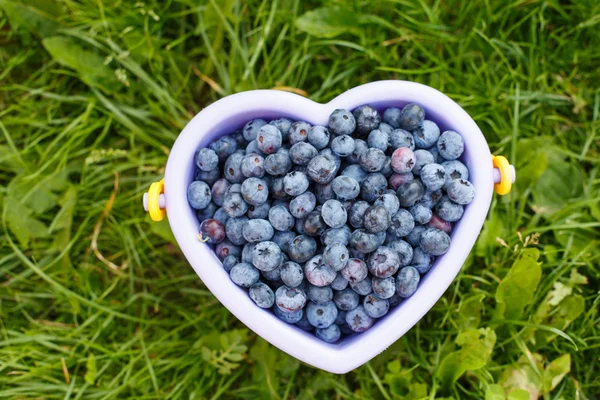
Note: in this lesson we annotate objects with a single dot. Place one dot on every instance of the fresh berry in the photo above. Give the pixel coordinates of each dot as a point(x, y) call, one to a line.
point(448, 210)
point(331, 334)
point(278, 164)
point(355, 172)
point(391, 116)
point(355, 270)
point(319, 136)
point(403, 160)
point(346, 299)
point(299, 132)
point(336, 256)
point(375, 307)
point(244, 275)
point(377, 219)
point(401, 138)
point(422, 261)
point(229, 262)
point(206, 159)
point(450, 145)
point(420, 213)
point(252, 165)
point(302, 248)
point(372, 187)
point(342, 122)
point(359, 320)
point(302, 205)
point(356, 215)
point(407, 281)
point(252, 128)
point(266, 256)
point(378, 140)
point(234, 230)
point(284, 125)
point(383, 262)
point(317, 273)
point(290, 299)
point(301, 153)
point(319, 295)
point(255, 191)
point(291, 317)
point(291, 274)
point(384, 288)
point(395, 180)
point(426, 134)
point(262, 295)
point(336, 235)
point(434, 242)
point(342, 145)
point(410, 193)
point(269, 139)
point(199, 195)
point(339, 283)
point(321, 169)
point(334, 214)
point(295, 183)
point(461, 191)
point(433, 176)
point(411, 116)
point(367, 119)
point(321, 315)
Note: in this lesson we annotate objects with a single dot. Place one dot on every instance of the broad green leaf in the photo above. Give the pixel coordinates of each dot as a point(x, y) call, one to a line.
point(162, 229)
point(556, 371)
point(64, 218)
point(523, 376)
point(561, 317)
point(327, 22)
point(476, 346)
point(37, 16)
point(492, 229)
point(91, 372)
point(558, 293)
point(469, 313)
point(518, 394)
point(416, 391)
point(517, 288)
point(398, 379)
point(495, 392)
point(576, 278)
point(22, 224)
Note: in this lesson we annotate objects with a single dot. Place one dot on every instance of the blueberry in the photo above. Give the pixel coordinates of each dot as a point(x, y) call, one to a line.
point(277, 164)
point(324, 192)
point(359, 320)
point(339, 283)
point(380, 238)
point(210, 177)
point(219, 190)
point(299, 132)
point(431, 198)
point(391, 116)
point(342, 122)
point(321, 169)
point(206, 213)
point(199, 195)
point(318, 136)
point(266, 256)
point(276, 189)
point(252, 148)
point(384, 288)
point(426, 134)
point(355, 270)
point(420, 213)
point(378, 140)
point(289, 299)
point(331, 334)
point(336, 235)
point(363, 287)
point(252, 165)
point(434, 242)
point(346, 299)
point(403, 160)
point(448, 210)
point(355, 172)
point(235, 188)
point(301, 153)
point(401, 223)
point(238, 135)
point(257, 230)
point(303, 205)
point(375, 307)
point(422, 158)
point(314, 225)
point(269, 139)
point(411, 117)
point(206, 159)
point(273, 275)
point(327, 152)
point(377, 219)
point(395, 180)
point(422, 261)
point(433, 176)
point(383, 262)
point(395, 300)
point(283, 239)
point(451, 145)
point(414, 237)
point(360, 146)
point(390, 202)
point(289, 317)
point(302, 248)
point(373, 186)
point(367, 119)
point(224, 147)
point(321, 315)
point(233, 168)
point(284, 125)
point(437, 222)
point(281, 219)
point(226, 248)
point(387, 170)
point(407, 281)
point(356, 215)
point(336, 256)
point(410, 193)
point(234, 230)
point(455, 170)
point(372, 160)
point(304, 324)
point(244, 275)
point(461, 191)
point(252, 128)
point(295, 183)
point(401, 138)
point(262, 295)
point(319, 295)
point(292, 274)
point(343, 145)
point(437, 158)
point(229, 262)
point(299, 226)
point(364, 242)
point(318, 273)
point(334, 214)
point(255, 191)
point(260, 211)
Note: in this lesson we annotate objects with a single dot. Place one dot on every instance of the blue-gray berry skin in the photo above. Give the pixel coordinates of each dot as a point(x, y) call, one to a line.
point(343, 145)
point(356, 215)
point(358, 319)
point(299, 132)
point(341, 317)
point(422, 158)
point(210, 177)
point(336, 235)
point(302, 205)
point(331, 334)
point(336, 256)
point(252, 127)
point(229, 262)
point(226, 248)
point(410, 193)
point(378, 140)
point(276, 188)
point(299, 226)
point(318, 273)
point(266, 256)
point(327, 152)
point(414, 237)
point(321, 169)
point(346, 299)
point(295, 183)
point(257, 230)
point(247, 252)
point(411, 117)
point(455, 170)
point(281, 219)
point(372, 187)
point(461, 191)
point(402, 223)
point(278, 164)
point(244, 275)
point(238, 135)
point(401, 138)
point(255, 191)
point(234, 230)
point(389, 201)
point(387, 170)
point(395, 300)
point(391, 116)
point(319, 136)
point(252, 165)
point(342, 122)
point(304, 324)
point(355, 172)
point(233, 168)
point(262, 295)
point(426, 134)
point(422, 261)
point(314, 225)
point(384, 288)
point(284, 125)
point(252, 148)
point(380, 237)
point(372, 160)
point(355, 270)
point(434, 242)
point(324, 193)
point(377, 219)
point(219, 190)
point(363, 241)
point(292, 274)
point(363, 287)
point(383, 262)
point(367, 119)
point(437, 158)
point(260, 211)
point(301, 153)
point(360, 146)
point(291, 317)
point(433, 176)
point(283, 239)
point(334, 214)
point(431, 198)
point(235, 188)
point(420, 213)
point(319, 295)
point(302, 248)
point(450, 145)
point(207, 212)
point(199, 195)
point(224, 147)
point(448, 210)
point(339, 283)
point(290, 299)
point(407, 282)
point(269, 139)
point(206, 159)
point(321, 315)
point(375, 306)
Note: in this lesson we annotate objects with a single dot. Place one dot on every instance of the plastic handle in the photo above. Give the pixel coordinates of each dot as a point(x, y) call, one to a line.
point(154, 201)
point(507, 175)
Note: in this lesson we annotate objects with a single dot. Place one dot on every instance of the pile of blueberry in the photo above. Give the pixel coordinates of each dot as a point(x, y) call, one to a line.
point(331, 226)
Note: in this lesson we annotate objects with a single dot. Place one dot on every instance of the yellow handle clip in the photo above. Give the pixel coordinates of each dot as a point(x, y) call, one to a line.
point(503, 187)
point(156, 189)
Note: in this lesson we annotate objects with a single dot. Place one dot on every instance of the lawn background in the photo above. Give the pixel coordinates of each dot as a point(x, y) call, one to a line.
point(97, 302)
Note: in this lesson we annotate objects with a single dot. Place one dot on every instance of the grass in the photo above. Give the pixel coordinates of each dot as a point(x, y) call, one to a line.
point(97, 302)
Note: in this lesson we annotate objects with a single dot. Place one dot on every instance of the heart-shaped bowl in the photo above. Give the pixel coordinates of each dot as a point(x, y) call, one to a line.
point(231, 113)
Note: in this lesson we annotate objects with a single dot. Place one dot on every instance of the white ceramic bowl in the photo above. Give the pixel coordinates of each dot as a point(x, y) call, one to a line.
point(232, 112)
